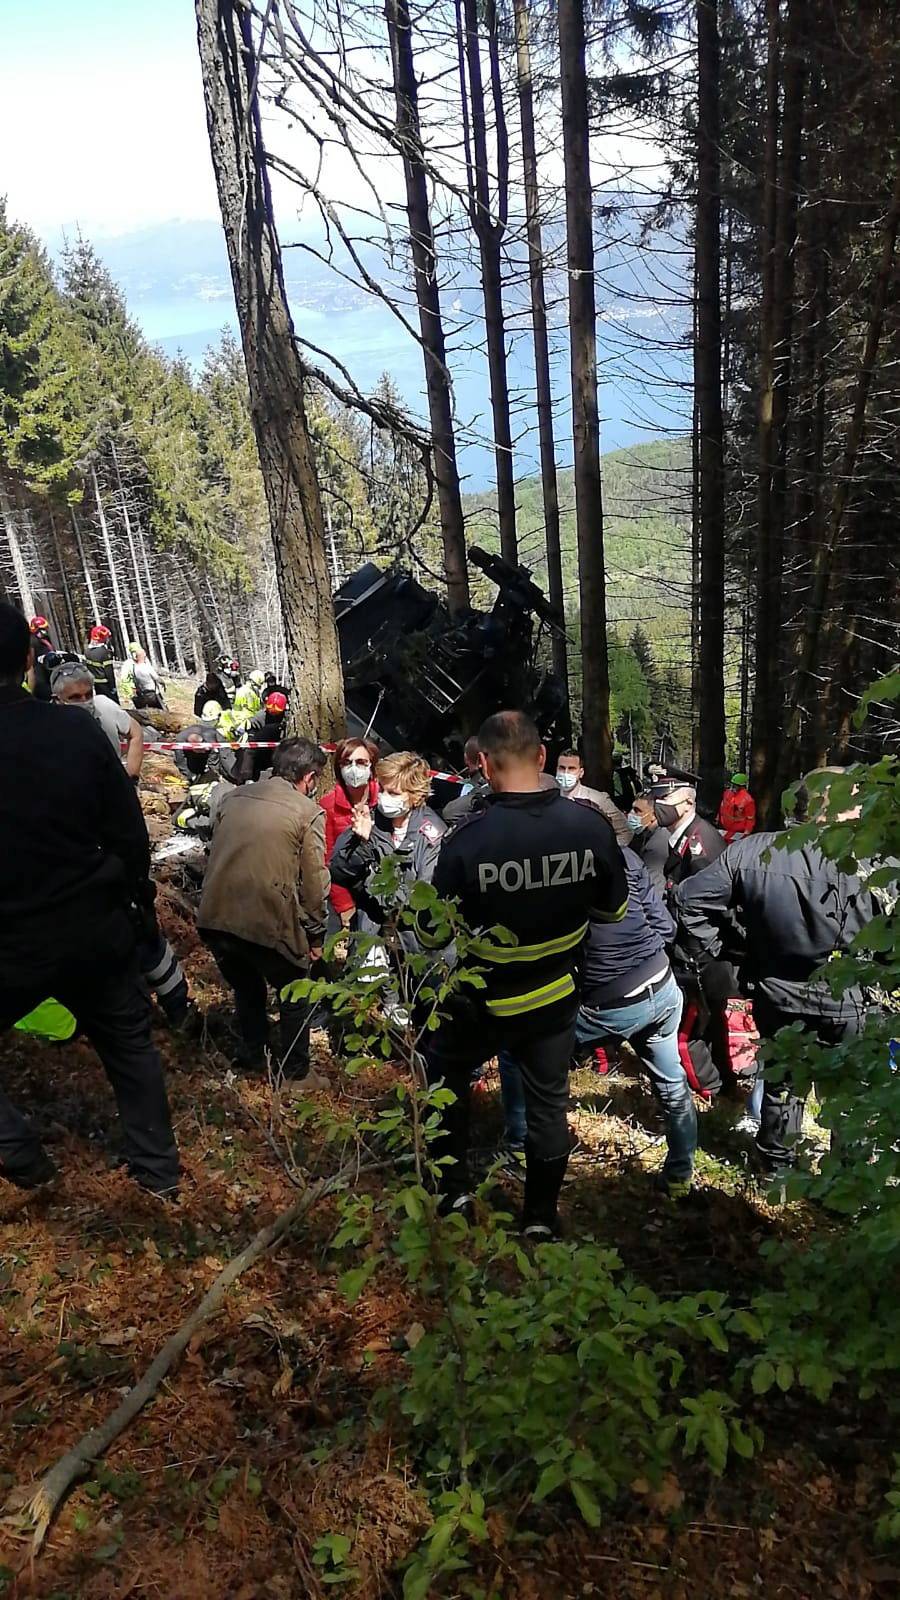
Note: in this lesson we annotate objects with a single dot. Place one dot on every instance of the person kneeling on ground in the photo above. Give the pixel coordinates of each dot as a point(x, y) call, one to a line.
point(264, 901)
point(75, 859)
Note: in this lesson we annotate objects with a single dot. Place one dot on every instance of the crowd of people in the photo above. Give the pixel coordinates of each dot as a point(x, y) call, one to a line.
point(634, 924)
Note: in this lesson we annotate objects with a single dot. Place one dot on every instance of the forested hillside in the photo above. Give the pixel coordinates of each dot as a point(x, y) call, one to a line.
point(647, 539)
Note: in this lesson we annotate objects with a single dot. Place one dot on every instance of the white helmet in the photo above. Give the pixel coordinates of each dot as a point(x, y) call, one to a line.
point(211, 712)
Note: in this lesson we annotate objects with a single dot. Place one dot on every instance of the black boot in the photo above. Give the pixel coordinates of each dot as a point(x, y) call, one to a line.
point(543, 1181)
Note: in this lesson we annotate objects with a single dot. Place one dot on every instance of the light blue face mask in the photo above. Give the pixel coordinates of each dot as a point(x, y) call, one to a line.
point(634, 822)
point(567, 780)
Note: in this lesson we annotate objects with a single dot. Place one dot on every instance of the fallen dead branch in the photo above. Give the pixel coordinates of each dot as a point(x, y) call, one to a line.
point(55, 1484)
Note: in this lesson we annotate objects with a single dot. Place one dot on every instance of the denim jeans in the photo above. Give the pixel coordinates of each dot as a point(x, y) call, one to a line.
point(650, 1024)
point(512, 1091)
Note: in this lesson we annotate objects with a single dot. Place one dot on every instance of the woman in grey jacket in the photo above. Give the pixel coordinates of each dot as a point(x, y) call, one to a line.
point(401, 826)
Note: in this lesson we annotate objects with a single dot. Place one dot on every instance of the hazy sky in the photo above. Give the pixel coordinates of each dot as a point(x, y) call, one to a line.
point(101, 114)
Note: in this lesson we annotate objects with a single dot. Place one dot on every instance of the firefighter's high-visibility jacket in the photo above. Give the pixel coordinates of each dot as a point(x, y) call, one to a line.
point(541, 867)
point(247, 701)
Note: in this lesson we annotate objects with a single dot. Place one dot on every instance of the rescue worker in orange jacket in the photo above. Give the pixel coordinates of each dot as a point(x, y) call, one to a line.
point(737, 813)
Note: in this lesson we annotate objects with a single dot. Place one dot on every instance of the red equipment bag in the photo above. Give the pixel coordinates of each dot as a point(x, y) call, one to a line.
point(741, 1037)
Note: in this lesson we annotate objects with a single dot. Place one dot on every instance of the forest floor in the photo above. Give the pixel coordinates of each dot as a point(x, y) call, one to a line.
point(221, 1488)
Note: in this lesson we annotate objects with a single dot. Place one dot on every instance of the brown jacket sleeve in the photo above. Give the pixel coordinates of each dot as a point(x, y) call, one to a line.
point(315, 880)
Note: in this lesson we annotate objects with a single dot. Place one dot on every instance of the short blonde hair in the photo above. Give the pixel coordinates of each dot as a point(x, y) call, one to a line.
point(406, 771)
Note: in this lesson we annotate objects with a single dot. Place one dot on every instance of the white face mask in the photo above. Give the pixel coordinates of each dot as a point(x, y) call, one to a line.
point(392, 805)
point(356, 773)
point(567, 780)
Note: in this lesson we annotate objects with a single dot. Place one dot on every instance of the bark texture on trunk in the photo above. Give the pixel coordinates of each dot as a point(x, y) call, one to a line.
point(815, 632)
point(544, 393)
point(767, 687)
point(585, 412)
point(710, 422)
point(15, 551)
point(110, 562)
point(782, 195)
point(424, 256)
point(489, 231)
point(274, 371)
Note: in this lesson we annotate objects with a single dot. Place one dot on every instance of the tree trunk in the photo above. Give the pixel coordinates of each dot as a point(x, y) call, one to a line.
point(489, 235)
point(544, 395)
point(177, 651)
point(15, 549)
point(85, 569)
point(151, 590)
point(273, 367)
point(129, 532)
point(710, 422)
point(207, 627)
point(437, 377)
point(695, 560)
point(74, 631)
point(767, 687)
point(814, 630)
point(113, 576)
point(585, 413)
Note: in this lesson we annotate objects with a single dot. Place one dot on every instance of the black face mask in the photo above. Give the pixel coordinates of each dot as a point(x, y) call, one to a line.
point(666, 815)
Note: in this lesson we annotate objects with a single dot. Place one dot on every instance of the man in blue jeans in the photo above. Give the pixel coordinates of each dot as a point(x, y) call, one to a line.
point(629, 992)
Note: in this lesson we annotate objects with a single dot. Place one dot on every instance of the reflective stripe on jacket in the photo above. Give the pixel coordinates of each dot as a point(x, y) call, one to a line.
point(540, 867)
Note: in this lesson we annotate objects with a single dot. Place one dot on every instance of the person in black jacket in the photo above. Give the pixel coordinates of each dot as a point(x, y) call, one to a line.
point(75, 859)
point(99, 658)
point(650, 841)
point(797, 908)
point(629, 992)
point(212, 688)
point(41, 647)
point(540, 866)
point(693, 842)
point(475, 787)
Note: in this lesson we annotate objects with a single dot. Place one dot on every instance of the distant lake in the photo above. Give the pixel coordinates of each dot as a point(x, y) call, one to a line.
point(178, 289)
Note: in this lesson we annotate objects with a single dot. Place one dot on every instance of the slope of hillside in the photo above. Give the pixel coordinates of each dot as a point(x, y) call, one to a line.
point(646, 495)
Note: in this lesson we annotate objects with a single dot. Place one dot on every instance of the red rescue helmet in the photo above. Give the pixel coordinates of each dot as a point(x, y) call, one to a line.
point(39, 624)
point(276, 702)
point(100, 633)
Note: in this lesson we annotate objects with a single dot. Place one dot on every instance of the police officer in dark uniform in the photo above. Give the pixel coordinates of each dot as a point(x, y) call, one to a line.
point(533, 863)
point(693, 842)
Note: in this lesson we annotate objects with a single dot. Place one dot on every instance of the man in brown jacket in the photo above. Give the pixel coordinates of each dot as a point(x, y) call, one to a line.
point(265, 899)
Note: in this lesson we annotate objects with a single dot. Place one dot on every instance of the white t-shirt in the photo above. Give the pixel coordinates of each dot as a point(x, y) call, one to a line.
point(144, 677)
point(113, 719)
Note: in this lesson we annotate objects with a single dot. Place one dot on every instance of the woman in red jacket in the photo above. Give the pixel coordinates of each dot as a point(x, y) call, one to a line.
point(354, 760)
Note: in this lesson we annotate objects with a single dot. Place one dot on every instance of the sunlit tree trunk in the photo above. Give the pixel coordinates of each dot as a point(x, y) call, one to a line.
point(274, 372)
point(424, 256)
